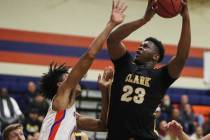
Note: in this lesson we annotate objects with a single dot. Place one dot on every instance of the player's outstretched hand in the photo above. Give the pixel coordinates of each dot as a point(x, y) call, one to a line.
point(105, 80)
point(118, 9)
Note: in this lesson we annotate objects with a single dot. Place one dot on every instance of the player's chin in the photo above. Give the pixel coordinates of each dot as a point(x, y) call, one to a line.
point(136, 61)
point(136, 57)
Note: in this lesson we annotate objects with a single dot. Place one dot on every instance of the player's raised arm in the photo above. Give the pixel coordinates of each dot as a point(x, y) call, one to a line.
point(177, 63)
point(92, 124)
point(86, 60)
point(115, 46)
point(81, 67)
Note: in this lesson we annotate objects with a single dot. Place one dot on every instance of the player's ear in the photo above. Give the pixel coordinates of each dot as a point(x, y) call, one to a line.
point(59, 84)
point(156, 57)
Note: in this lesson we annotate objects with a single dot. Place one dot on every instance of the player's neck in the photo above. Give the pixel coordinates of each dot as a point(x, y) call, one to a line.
point(148, 65)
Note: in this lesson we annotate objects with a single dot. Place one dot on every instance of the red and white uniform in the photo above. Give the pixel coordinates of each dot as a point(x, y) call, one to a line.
point(58, 125)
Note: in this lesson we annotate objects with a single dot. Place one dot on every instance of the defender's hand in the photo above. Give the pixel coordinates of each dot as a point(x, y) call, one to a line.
point(118, 9)
point(106, 79)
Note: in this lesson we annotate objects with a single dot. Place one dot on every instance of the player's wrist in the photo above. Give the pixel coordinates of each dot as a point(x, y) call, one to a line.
point(103, 89)
point(112, 24)
point(186, 16)
point(180, 134)
point(145, 19)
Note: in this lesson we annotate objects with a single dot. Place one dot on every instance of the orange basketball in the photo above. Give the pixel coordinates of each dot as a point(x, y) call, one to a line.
point(168, 8)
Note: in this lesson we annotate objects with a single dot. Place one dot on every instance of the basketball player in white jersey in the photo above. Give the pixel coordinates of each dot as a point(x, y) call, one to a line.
point(59, 86)
point(88, 123)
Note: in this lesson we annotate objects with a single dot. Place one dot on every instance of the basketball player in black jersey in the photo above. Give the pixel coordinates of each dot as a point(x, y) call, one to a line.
point(138, 86)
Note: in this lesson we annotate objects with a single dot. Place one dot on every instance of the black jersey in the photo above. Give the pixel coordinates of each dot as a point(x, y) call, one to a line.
point(136, 93)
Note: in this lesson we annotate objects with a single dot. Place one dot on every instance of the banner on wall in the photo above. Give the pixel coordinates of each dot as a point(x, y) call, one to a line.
point(207, 67)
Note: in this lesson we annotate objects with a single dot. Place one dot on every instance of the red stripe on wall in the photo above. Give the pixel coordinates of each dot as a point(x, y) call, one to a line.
point(46, 38)
point(38, 59)
point(192, 72)
point(77, 41)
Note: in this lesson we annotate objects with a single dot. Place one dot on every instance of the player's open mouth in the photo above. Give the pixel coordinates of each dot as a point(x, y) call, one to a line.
point(139, 52)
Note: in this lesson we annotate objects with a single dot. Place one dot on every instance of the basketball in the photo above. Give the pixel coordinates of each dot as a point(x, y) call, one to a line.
point(167, 8)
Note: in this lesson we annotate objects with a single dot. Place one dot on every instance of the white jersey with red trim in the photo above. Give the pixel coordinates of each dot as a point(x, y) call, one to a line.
point(58, 125)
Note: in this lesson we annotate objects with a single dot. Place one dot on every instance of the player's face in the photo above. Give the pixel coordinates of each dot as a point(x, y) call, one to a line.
point(16, 134)
point(64, 78)
point(145, 52)
point(77, 89)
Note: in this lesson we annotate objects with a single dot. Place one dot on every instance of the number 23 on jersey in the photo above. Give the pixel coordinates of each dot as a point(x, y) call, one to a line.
point(138, 98)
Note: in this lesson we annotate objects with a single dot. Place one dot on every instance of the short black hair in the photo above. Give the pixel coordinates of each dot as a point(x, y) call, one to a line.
point(159, 45)
point(48, 83)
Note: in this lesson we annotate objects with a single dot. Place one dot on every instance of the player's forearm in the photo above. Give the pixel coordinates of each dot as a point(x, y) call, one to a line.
point(125, 30)
point(183, 136)
point(97, 44)
point(105, 104)
point(86, 60)
point(185, 40)
point(207, 137)
point(90, 124)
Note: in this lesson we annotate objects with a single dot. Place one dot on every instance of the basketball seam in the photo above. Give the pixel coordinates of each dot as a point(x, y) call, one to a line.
point(165, 9)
